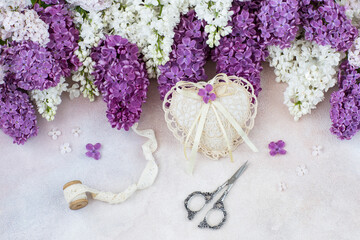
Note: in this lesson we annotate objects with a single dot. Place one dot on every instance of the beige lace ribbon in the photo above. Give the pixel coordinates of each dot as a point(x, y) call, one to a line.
point(75, 191)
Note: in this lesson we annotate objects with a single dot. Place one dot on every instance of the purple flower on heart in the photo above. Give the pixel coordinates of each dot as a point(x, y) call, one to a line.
point(207, 94)
point(277, 148)
point(93, 151)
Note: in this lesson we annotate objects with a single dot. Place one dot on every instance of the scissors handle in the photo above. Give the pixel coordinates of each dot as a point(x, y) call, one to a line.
point(218, 206)
point(206, 195)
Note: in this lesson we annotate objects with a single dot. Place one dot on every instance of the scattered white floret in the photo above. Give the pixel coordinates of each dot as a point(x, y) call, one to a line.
point(301, 170)
point(65, 148)
point(54, 133)
point(282, 186)
point(316, 150)
point(76, 131)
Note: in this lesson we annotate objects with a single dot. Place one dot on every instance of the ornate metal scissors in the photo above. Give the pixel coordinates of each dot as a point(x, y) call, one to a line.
point(218, 205)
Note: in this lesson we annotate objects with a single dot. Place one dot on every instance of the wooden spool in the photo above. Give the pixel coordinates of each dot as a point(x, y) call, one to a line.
point(77, 204)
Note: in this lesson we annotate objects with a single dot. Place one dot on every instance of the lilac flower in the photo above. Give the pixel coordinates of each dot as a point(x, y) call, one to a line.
point(63, 35)
point(30, 66)
point(122, 81)
point(207, 93)
point(174, 73)
point(345, 103)
point(277, 148)
point(17, 114)
point(241, 52)
point(93, 151)
point(280, 21)
point(325, 23)
point(188, 56)
point(53, 1)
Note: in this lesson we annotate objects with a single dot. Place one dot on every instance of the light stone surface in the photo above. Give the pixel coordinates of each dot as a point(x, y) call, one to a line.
point(324, 204)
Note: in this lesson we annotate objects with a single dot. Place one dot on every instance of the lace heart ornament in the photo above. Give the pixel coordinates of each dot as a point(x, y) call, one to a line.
point(211, 117)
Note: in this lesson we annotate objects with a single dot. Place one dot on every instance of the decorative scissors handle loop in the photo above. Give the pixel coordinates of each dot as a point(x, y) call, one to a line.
point(206, 195)
point(218, 206)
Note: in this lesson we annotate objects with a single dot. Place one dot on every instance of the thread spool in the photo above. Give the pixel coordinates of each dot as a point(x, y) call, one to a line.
point(80, 201)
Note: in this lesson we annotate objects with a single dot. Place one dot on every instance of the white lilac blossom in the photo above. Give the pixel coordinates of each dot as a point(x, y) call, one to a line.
point(48, 100)
point(74, 91)
point(91, 31)
point(2, 74)
point(150, 24)
point(19, 24)
point(217, 14)
point(91, 5)
point(352, 10)
point(15, 3)
point(312, 74)
point(54, 133)
point(354, 54)
point(65, 148)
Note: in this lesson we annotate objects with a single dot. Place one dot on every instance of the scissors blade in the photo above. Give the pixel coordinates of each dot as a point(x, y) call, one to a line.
point(238, 173)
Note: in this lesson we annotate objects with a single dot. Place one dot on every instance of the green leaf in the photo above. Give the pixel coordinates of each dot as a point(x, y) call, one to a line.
point(2, 42)
point(82, 12)
point(41, 3)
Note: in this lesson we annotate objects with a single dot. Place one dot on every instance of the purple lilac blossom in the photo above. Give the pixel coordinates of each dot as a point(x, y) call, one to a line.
point(325, 23)
point(277, 148)
point(207, 94)
point(30, 66)
point(280, 21)
point(52, 2)
point(188, 55)
point(120, 74)
point(93, 151)
point(17, 114)
point(345, 103)
point(241, 52)
point(63, 36)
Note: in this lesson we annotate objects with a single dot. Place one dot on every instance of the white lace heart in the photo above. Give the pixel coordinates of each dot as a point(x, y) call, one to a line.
point(182, 106)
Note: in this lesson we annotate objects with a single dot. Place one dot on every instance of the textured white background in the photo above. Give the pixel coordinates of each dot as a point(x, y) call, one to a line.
point(324, 204)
